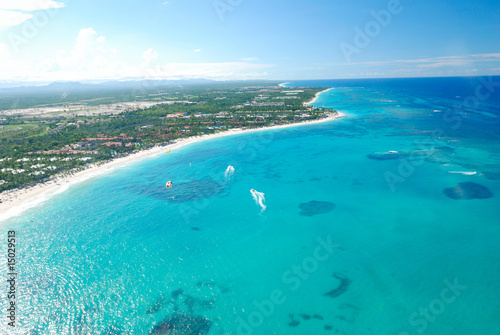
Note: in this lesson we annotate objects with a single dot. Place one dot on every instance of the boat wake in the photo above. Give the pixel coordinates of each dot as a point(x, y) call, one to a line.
point(229, 172)
point(467, 173)
point(259, 198)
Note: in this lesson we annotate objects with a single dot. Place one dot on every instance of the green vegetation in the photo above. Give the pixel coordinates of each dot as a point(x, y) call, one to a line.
point(34, 147)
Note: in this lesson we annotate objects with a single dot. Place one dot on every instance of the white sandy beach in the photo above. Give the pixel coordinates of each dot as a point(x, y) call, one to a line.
point(16, 201)
point(316, 96)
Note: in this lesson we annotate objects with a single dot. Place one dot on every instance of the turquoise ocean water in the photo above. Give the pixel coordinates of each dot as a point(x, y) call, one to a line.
point(366, 229)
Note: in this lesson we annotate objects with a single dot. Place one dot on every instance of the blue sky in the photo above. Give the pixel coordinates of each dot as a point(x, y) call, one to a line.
point(46, 40)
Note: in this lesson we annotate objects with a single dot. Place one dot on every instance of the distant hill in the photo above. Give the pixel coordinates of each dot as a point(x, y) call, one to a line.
point(72, 86)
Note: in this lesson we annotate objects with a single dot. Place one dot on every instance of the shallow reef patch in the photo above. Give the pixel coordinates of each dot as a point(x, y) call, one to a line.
point(182, 324)
point(385, 156)
point(468, 191)
point(293, 322)
point(491, 175)
point(342, 288)
point(314, 207)
point(413, 154)
point(183, 192)
point(194, 190)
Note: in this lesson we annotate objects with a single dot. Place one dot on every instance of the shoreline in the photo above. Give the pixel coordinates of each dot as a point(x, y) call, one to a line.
point(313, 100)
point(16, 201)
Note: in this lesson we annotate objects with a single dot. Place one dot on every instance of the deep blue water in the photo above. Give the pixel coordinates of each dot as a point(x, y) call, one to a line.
point(383, 222)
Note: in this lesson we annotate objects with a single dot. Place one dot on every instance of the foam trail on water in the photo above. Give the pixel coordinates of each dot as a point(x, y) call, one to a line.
point(229, 172)
point(259, 198)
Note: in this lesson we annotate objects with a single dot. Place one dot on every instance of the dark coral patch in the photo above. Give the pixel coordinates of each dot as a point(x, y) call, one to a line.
point(385, 156)
point(206, 284)
point(447, 150)
point(190, 302)
point(177, 293)
point(491, 175)
point(224, 289)
point(314, 207)
point(195, 190)
point(182, 324)
point(207, 304)
point(182, 192)
point(293, 322)
point(344, 284)
point(411, 155)
point(468, 191)
point(157, 305)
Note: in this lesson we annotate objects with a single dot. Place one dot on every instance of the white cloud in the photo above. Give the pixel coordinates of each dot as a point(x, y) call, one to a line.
point(454, 65)
point(11, 67)
point(250, 59)
point(85, 35)
point(437, 62)
point(9, 18)
point(197, 50)
point(89, 52)
point(149, 55)
point(12, 11)
point(149, 60)
point(492, 55)
point(91, 58)
point(169, 2)
point(4, 51)
point(446, 63)
point(30, 4)
point(216, 71)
